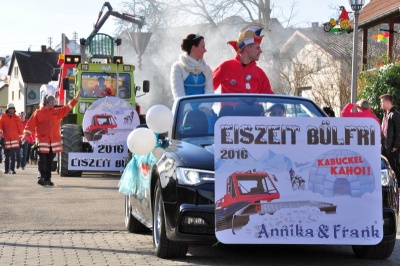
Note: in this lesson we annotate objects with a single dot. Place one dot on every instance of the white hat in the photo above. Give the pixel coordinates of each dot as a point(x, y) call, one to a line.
point(10, 105)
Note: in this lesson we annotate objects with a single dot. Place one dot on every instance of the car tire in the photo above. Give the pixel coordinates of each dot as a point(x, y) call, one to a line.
point(163, 247)
point(379, 251)
point(131, 223)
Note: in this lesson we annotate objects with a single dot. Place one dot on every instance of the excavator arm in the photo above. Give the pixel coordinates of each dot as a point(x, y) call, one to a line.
point(138, 20)
point(102, 18)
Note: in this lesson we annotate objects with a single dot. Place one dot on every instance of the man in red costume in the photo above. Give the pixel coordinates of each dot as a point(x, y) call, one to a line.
point(344, 18)
point(101, 89)
point(242, 75)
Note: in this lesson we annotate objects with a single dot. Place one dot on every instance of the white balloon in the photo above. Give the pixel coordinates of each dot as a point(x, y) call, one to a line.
point(141, 141)
point(159, 118)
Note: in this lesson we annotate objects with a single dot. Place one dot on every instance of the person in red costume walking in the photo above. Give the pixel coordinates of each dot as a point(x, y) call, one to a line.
point(363, 110)
point(242, 75)
point(45, 122)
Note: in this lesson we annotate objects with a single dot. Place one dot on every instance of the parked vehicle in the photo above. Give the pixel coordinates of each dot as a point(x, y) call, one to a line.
point(178, 200)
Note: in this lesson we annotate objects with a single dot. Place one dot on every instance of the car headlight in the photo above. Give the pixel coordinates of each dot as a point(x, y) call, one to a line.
point(384, 177)
point(187, 176)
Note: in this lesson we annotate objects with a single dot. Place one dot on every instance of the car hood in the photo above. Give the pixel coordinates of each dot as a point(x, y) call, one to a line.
point(193, 156)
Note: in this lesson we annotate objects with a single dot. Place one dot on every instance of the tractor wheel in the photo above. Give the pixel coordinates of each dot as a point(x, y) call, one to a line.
point(72, 142)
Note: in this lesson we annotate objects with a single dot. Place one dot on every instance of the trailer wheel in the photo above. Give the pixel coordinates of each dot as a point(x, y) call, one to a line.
point(72, 142)
point(163, 247)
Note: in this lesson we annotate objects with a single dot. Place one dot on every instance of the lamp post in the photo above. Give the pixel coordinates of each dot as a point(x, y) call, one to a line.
point(356, 6)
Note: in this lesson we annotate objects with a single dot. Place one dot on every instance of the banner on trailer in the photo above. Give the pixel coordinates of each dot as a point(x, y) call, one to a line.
point(106, 126)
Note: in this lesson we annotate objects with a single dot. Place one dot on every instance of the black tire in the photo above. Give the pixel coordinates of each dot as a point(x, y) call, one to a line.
point(163, 247)
point(72, 142)
point(327, 27)
point(131, 223)
point(380, 251)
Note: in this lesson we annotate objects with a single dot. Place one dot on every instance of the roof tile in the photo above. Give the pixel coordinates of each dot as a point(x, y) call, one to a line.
point(35, 67)
point(378, 8)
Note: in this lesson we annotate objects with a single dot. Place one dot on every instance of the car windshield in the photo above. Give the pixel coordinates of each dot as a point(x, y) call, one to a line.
point(195, 116)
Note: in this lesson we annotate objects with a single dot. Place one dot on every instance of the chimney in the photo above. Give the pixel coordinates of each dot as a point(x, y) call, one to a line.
point(43, 48)
point(314, 24)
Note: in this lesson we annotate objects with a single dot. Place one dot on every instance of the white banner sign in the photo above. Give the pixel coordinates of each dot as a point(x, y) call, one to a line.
point(106, 126)
point(298, 181)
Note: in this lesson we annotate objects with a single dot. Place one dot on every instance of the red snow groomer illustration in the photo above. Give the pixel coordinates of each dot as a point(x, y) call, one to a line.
point(244, 189)
point(101, 124)
point(252, 193)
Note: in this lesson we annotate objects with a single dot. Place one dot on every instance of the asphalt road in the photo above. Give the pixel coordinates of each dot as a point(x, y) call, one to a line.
point(80, 221)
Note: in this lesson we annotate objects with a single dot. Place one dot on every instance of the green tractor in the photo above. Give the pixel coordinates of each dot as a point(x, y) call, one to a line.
point(99, 75)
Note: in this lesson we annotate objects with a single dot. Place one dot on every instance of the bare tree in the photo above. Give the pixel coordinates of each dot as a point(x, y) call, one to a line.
point(331, 85)
point(326, 78)
point(163, 13)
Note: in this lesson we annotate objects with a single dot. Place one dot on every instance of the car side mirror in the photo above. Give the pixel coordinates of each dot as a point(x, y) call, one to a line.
point(146, 86)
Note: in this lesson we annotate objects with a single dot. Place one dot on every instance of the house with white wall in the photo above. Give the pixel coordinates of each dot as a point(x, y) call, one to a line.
point(28, 71)
point(317, 64)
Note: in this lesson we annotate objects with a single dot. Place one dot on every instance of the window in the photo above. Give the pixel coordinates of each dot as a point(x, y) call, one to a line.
point(98, 85)
point(16, 72)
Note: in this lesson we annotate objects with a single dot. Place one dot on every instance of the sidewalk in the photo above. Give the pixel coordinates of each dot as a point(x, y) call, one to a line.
point(76, 248)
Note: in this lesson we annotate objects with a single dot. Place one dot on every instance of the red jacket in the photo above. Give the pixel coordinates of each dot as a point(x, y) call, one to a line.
point(236, 78)
point(344, 15)
point(101, 92)
point(12, 130)
point(47, 122)
point(363, 113)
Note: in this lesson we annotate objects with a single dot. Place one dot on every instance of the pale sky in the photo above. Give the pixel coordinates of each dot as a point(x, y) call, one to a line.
point(30, 23)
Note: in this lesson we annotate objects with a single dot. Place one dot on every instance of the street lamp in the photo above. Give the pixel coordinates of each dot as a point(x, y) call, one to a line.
point(356, 5)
